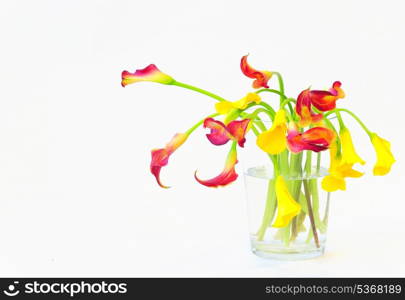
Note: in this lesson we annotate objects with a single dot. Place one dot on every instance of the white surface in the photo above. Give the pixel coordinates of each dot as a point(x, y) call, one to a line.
point(76, 196)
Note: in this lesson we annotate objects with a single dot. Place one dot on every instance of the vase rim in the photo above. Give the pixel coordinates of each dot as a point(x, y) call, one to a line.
point(266, 172)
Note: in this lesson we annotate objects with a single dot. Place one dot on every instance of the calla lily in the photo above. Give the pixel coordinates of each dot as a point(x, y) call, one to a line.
point(228, 175)
point(224, 107)
point(273, 141)
point(316, 139)
point(338, 171)
point(322, 100)
point(220, 133)
point(385, 159)
point(150, 73)
point(287, 207)
point(160, 157)
point(303, 109)
point(349, 155)
point(261, 77)
point(326, 100)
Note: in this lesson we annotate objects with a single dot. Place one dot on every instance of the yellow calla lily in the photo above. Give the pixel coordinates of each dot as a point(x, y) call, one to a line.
point(349, 154)
point(287, 207)
point(225, 107)
point(338, 171)
point(385, 159)
point(274, 141)
point(331, 183)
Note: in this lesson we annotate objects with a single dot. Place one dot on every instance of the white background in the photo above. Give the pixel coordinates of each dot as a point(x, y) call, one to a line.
point(76, 195)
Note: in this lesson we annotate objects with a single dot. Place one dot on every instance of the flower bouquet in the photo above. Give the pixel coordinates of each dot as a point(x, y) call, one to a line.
point(288, 214)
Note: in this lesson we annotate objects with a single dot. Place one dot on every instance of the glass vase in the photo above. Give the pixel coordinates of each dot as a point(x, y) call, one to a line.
point(305, 235)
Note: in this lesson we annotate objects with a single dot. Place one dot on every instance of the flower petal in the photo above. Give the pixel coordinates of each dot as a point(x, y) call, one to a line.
point(331, 183)
point(349, 154)
point(303, 109)
point(227, 176)
point(287, 207)
point(238, 130)
point(273, 141)
point(223, 107)
point(219, 134)
point(261, 77)
point(160, 157)
point(319, 136)
point(245, 101)
point(338, 171)
point(385, 158)
point(316, 139)
point(326, 100)
point(150, 73)
point(346, 170)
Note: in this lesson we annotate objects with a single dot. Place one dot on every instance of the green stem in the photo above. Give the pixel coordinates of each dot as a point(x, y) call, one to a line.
point(330, 125)
point(307, 191)
point(198, 124)
point(281, 94)
point(295, 166)
point(326, 216)
point(308, 164)
point(268, 107)
point(284, 165)
point(354, 117)
point(254, 114)
point(269, 210)
point(286, 101)
point(258, 122)
point(255, 130)
point(270, 205)
point(313, 185)
point(281, 85)
point(318, 162)
point(310, 212)
point(199, 90)
point(340, 120)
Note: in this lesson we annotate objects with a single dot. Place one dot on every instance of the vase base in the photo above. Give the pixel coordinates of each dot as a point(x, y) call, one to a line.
point(279, 252)
point(289, 256)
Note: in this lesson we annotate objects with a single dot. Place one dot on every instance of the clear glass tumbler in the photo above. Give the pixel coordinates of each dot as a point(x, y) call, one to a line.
point(305, 235)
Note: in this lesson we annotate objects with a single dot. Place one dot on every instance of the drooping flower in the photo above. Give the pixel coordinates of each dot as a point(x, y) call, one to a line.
point(316, 139)
point(224, 107)
point(228, 174)
point(303, 109)
point(385, 159)
point(326, 100)
point(338, 171)
point(274, 141)
point(287, 207)
point(220, 133)
point(150, 73)
point(322, 100)
point(160, 157)
point(349, 154)
point(261, 77)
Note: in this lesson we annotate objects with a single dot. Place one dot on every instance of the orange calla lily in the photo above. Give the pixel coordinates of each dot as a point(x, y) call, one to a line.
point(315, 139)
point(261, 78)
